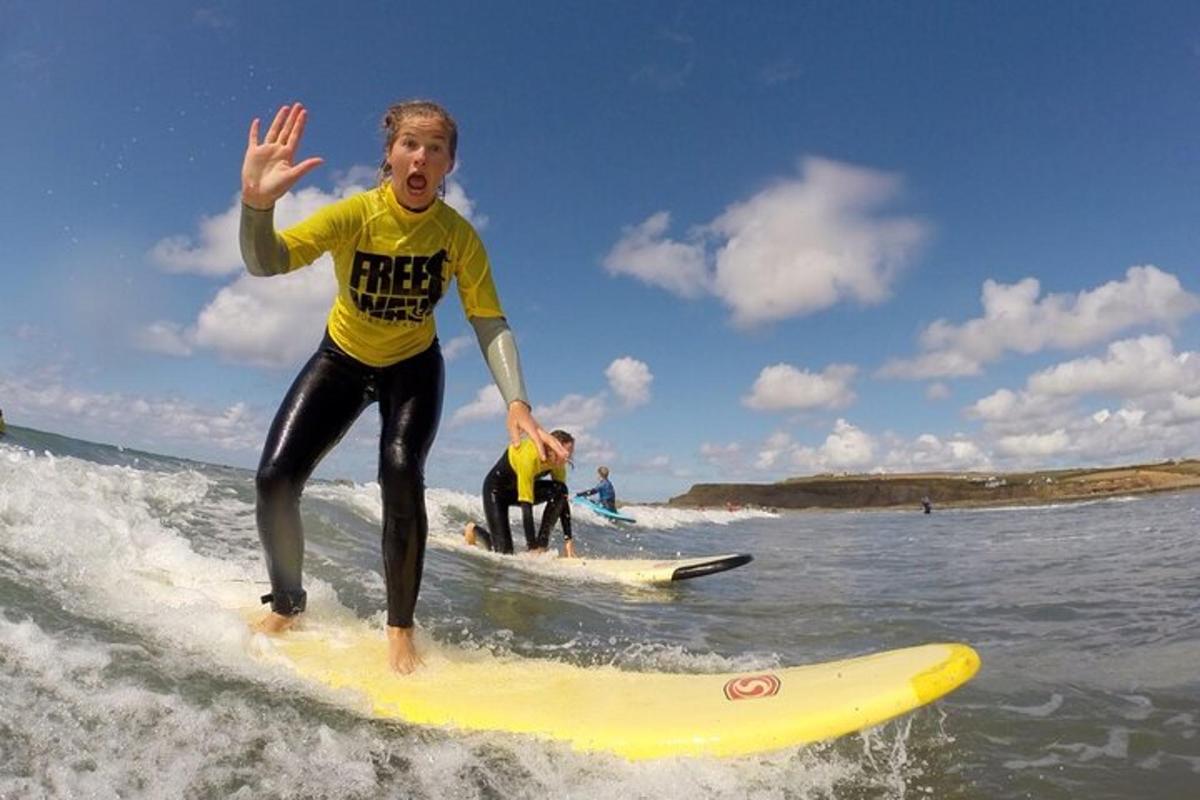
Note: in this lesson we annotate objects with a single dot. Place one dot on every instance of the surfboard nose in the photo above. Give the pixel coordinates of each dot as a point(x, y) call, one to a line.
point(959, 666)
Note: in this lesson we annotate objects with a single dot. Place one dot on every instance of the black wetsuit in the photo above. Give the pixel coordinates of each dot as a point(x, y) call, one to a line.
point(326, 398)
point(500, 494)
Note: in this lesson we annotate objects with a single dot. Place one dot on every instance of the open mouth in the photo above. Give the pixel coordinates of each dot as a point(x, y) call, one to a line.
point(417, 183)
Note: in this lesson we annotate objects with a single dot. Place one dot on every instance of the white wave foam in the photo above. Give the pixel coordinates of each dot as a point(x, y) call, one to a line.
point(1044, 710)
point(1117, 747)
point(1060, 506)
point(452, 508)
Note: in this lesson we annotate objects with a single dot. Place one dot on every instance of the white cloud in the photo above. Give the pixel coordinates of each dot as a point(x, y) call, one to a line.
point(1046, 422)
point(937, 391)
point(454, 348)
point(630, 380)
point(591, 449)
point(574, 413)
point(1131, 368)
point(216, 253)
point(656, 463)
point(579, 415)
point(1145, 369)
point(797, 247)
point(1183, 408)
point(1016, 319)
point(1005, 412)
point(784, 387)
point(1001, 404)
point(270, 322)
point(456, 197)
point(166, 338)
point(151, 422)
point(847, 448)
point(726, 457)
point(773, 450)
point(1036, 445)
point(1027, 432)
point(806, 244)
point(488, 404)
point(930, 453)
point(643, 253)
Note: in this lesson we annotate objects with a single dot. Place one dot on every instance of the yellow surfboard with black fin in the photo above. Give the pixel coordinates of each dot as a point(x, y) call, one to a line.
point(637, 715)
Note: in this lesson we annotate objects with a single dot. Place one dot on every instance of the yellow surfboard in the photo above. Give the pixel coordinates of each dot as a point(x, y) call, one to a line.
point(637, 715)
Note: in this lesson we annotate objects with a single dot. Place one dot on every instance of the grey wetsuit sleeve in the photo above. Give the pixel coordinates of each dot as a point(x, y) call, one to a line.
point(499, 348)
point(262, 249)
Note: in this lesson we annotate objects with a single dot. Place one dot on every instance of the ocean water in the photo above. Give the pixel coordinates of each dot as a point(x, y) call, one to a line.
point(126, 669)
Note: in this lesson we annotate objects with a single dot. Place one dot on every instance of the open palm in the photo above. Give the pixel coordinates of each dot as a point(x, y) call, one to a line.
point(269, 169)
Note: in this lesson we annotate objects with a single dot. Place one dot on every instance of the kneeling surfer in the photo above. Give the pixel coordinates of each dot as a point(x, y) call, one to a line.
point(518, 479)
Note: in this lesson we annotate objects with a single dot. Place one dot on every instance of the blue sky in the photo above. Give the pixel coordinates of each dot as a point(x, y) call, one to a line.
point(735, 242)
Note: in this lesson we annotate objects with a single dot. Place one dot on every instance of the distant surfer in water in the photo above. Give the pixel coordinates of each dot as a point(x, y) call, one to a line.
point(603, 490)
point(524, 477)
point(395, 249)
point(927, 504)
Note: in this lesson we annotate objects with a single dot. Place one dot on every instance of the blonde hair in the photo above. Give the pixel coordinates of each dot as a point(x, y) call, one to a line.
point(603, 472)
point(398, 113)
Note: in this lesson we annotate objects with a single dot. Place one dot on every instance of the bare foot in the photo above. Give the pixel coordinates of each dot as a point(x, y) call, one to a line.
point(272, 623)
point(469, 533)
point(402, 653)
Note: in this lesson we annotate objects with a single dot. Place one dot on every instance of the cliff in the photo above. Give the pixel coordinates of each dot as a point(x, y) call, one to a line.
point(943, 488)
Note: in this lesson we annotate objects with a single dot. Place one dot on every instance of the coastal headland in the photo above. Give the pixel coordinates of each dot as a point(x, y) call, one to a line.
point(947, 488)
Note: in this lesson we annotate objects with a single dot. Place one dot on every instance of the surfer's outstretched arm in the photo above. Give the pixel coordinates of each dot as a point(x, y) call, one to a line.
point(499, 348)
point(268, 173)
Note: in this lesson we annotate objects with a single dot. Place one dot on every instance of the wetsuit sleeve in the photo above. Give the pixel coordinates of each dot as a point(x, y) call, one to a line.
point(588, 492)
point(499, 348)
point(262, 249)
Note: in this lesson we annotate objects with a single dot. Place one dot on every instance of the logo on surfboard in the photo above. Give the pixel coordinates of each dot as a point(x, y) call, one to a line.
point(752, 687)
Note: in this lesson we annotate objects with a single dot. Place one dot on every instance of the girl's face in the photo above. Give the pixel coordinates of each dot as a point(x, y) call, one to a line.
point(420, 158)
point(557, 460)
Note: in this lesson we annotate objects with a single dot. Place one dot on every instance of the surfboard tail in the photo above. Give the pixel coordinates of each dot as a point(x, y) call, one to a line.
point(711, 567)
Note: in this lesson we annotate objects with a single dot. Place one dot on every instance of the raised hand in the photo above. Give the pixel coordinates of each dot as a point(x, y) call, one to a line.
point(268, 170)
